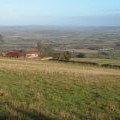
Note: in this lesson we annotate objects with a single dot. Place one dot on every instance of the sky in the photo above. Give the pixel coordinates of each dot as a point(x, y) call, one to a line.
point(60, 12)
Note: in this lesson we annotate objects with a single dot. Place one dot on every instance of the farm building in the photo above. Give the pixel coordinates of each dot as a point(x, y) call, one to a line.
point(32, 53)
point(13, 54)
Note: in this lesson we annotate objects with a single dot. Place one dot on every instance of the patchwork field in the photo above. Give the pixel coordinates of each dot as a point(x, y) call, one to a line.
point(47, 90)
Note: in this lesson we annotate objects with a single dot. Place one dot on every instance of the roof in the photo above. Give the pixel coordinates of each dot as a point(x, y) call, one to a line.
point(32, 50)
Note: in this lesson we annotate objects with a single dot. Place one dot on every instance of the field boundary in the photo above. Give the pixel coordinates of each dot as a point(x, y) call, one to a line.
point(90, 63)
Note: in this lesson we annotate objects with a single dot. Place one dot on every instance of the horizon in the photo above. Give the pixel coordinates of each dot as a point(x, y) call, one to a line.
point(61, 26)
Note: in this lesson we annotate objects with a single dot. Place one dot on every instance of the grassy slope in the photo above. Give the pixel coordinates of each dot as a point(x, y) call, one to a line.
point(38, 90)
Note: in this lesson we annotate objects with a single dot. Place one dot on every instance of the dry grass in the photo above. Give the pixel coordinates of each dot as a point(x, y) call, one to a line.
point(52, 67)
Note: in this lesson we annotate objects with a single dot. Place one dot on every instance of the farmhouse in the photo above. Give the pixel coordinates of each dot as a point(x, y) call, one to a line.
point(32, 53)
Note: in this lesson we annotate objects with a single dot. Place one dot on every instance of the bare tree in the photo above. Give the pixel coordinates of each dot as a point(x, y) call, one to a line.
point(44, 49)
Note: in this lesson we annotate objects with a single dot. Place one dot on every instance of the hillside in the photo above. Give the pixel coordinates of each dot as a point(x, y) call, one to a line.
point(47, 90)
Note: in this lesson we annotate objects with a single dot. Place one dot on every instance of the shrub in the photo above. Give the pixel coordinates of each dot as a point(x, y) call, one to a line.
point(81, 55)
point(63, 56)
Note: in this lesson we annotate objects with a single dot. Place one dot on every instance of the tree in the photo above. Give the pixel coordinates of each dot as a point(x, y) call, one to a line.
point(45, 50)
point(117, 45)
point(1, 39)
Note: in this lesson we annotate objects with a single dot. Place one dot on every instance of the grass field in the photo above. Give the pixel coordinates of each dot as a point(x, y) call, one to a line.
point(47, 90)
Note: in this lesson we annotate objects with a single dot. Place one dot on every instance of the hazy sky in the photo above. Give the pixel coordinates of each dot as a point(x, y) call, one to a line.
point(60, 12)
